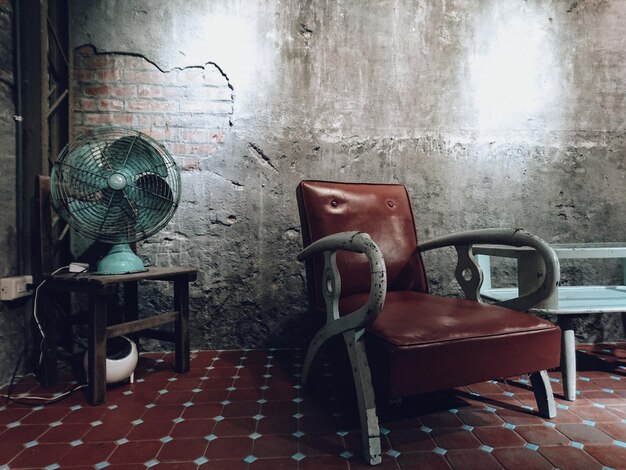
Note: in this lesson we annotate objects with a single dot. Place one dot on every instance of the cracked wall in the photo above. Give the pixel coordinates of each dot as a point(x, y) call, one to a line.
point(494, 114)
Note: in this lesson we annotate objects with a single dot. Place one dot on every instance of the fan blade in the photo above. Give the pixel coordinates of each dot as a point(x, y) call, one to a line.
point(135, 154)
point(154, 198)
point(117, 215)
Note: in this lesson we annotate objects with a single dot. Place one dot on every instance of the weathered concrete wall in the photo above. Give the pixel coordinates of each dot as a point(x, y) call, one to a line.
point(11, 315)
point(493, 113)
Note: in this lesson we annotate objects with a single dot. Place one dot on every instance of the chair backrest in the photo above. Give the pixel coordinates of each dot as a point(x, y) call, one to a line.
point(381, 210)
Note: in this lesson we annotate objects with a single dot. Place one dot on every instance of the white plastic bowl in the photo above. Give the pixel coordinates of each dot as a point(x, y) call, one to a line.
point(119, 366)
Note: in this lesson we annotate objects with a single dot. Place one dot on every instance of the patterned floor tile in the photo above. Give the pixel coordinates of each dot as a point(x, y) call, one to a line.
point(521, 457)
point(570, 458)
point(246, 409)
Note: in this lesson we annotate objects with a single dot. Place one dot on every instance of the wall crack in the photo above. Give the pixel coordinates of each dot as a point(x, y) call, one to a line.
point(162, 70)
point(260, 155)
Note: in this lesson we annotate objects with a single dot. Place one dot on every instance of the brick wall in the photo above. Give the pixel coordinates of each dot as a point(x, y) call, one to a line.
point(188, 110)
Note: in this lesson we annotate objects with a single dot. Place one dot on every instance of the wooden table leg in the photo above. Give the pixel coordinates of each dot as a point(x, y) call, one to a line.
point(47, 372)
point(181, 332)
point(568, 356)
point(96, 351)
point(131, 305)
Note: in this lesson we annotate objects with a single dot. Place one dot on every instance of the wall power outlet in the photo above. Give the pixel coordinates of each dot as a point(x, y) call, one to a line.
point(12, 288)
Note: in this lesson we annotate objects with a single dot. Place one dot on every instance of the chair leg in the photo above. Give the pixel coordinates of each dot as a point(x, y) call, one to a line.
point(543, 394)
point(370, 431)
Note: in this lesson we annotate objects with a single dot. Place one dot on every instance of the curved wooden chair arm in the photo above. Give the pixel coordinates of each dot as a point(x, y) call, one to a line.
point(358, 242)
point(469, 274)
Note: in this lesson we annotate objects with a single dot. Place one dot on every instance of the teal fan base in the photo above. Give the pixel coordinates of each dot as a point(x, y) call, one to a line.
point(120, 260)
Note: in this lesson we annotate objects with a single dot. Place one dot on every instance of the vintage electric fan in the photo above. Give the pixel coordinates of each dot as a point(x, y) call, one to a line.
point(118, 186)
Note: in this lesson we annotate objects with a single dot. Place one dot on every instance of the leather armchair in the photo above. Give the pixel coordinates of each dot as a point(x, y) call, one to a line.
point(366, 282)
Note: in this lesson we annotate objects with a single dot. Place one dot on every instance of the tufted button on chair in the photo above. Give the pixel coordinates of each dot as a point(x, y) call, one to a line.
point(367, 283)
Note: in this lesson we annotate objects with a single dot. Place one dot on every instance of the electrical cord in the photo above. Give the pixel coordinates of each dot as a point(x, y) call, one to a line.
point(32, 399)
point(43, 335)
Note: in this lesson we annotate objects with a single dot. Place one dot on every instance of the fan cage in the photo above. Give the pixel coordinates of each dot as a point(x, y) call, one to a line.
point(115, 185)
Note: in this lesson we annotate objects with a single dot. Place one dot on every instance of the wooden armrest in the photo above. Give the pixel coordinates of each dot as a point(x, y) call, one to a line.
point(469, 274)
point(358, 242)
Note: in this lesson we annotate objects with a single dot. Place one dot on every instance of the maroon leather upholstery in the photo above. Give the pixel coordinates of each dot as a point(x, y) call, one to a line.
point(381, 210)
point(418, 338)
point(419, 342)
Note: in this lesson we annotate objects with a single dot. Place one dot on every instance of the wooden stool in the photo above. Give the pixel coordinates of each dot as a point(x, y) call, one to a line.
point(101, 289)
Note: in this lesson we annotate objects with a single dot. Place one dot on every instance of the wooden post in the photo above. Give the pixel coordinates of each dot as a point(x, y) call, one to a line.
point(96, 352)
point(181, 332)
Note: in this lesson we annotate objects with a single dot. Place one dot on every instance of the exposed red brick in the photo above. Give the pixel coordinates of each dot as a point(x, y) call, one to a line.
point(193, 149)
point(193, 106)
point(151, 91)
point(85, 75)
point(194, 135)
point(110, 105)
point(165, 133)
point(99, 119)
point(141, 76)
point(86, 104)
point(185, 109)
point(111, 90)
point(153, 120)
point(108, 75)
point(150, 105)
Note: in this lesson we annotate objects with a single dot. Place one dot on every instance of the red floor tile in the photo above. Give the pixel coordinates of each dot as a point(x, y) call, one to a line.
point(40, 456)
point(275, 446)
point(521, 458)
point(441, 419)
point(277, 425)
point(235, 427)
point(110, 431)
point(612, 456)
point(322, 444)
point(45, 416)
point(229, 448)
point(65, 433)
point(542, 435)
point(595, 414)
point(182, 450)
point(474, 417)
point(163, 413)
point(87, 454)
point(235, 464)
point(584, 434)
point(322, 462)
point(388, 463)
point(498, 436)
point(425, 460)
point(615, 430)
point(135, 452)
point(570, 458)
point(9, 451)
point(472, 460)
point(280, 463)
point(241, 409)
point(151, 431)
point(411, 440)
point(455, 438)
point(23, 433)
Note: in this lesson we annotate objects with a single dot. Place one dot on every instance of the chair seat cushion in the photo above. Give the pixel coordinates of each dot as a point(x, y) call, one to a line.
point(421, 342)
